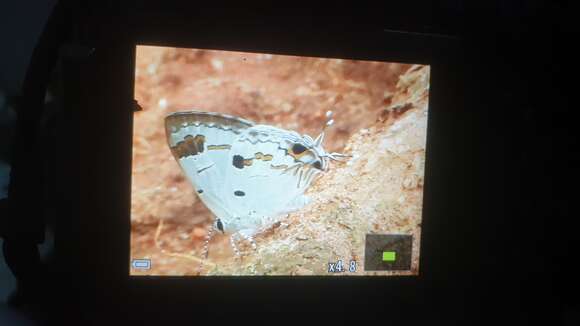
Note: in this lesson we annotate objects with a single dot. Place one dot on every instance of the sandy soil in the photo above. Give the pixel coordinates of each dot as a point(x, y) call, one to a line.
point(381, 116)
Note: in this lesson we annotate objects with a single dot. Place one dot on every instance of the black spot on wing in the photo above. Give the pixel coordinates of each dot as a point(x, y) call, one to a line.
point(200, 191)
point(220, 225)
point(239, 193)
point(317, 165)
point(238, 161)
point(298, 149)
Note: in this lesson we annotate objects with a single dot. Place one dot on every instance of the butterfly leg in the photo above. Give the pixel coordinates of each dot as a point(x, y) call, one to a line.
point(205, 251)
point(247, 235)
point(210, 232)
point(235, 246)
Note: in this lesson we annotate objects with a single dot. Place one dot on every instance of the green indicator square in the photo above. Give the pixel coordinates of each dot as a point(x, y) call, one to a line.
point(389, 256)
point(388, 252)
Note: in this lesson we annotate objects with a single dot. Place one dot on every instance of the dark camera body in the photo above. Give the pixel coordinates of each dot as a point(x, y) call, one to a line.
point(466, 238)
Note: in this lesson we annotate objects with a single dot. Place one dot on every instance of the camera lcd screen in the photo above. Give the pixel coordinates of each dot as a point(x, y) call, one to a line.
point(263, 164)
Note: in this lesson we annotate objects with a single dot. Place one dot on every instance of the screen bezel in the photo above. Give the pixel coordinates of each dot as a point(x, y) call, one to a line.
point(111, 182)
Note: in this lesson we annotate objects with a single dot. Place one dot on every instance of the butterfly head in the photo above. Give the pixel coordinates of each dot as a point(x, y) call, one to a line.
point(311, 152)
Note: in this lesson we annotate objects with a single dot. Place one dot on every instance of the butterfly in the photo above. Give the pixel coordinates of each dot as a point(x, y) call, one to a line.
point(248, 175)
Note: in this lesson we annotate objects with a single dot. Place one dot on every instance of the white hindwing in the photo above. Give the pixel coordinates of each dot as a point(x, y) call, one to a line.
point(242, 172)
point(200, 142)
point(263, 182)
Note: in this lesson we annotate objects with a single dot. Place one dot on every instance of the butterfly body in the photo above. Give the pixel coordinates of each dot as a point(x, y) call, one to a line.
point(248, 175)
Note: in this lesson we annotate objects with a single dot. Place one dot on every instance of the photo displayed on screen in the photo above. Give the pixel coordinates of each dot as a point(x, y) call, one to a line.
point(263, 164)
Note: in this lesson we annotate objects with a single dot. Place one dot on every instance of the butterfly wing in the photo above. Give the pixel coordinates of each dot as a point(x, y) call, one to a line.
point(201, 142)
point(263, 180)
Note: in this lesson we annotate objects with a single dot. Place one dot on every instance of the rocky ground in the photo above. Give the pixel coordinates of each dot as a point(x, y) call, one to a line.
point(381, 118)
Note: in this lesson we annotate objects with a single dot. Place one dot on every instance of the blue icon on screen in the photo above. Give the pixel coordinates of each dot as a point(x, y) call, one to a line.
point(141, 263)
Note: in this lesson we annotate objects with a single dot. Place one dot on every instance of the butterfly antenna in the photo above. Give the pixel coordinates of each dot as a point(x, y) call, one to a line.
point(329, 122)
